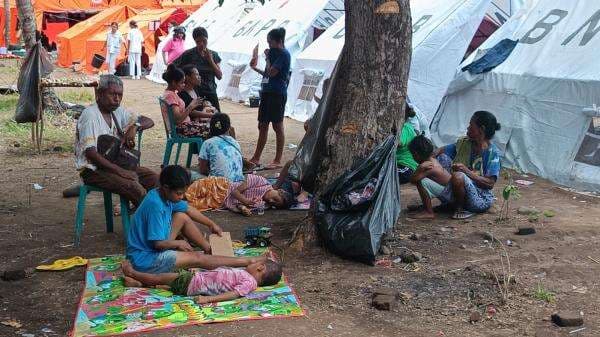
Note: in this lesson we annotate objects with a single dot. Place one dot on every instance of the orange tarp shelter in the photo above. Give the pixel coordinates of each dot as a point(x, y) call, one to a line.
point(71, 42)
point(144, 20)
point(188, 5)
point(62, 6)
point(137, 4)
point(13, 22)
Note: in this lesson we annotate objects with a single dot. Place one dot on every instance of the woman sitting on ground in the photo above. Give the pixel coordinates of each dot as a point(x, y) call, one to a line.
point(186, 117)
point(221, 155)
point(405, 163)
point(243, 196)
point(475, 165)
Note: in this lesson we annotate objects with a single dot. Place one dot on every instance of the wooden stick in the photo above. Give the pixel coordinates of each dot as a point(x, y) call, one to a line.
point(591, 258)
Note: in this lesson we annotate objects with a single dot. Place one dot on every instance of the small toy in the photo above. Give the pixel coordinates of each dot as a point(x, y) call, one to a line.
point(258, 236)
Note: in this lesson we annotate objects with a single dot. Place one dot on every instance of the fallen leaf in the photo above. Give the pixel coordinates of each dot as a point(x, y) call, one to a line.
point(15, 324)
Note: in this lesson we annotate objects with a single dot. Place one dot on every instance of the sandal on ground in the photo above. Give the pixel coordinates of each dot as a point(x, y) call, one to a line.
point(64, 264)
point(462, 215)
point(273, 166)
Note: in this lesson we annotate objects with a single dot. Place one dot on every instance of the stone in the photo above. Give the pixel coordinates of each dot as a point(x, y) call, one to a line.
point(411, 257)
point(567, 318)
point(383, 302)
point(527, 210)
point(14, 275)
point(416, 237)
point(385, 291)
point(474, 317)
point(463, 246)
point(58, 149)
point(526, 231)
point(17, 144)
point(385, 250)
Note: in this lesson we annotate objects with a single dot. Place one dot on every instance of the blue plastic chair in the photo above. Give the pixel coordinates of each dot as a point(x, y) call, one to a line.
point(174, 138)
point(108, 211)
point(84, 190)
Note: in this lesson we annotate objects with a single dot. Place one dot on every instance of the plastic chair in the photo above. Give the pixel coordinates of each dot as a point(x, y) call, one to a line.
point(108, 211)
point(174, 138)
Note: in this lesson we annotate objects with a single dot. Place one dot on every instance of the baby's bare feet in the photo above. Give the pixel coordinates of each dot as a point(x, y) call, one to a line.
point(131, 282)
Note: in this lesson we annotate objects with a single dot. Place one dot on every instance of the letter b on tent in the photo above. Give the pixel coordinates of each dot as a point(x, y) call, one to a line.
point(545, 26)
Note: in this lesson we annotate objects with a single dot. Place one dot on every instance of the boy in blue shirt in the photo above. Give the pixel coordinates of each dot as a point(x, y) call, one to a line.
point(162, 217)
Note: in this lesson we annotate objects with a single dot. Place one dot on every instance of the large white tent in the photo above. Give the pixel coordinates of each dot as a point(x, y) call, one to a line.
point(235, 47)
point(442, 30)
point(545, 94)
point(216, 19)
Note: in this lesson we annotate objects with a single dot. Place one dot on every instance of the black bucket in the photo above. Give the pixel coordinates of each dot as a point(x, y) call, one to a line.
point(97, 61)
point(254, 102)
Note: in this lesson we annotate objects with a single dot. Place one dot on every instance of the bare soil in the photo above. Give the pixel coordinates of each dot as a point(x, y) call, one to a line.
point(438, 293)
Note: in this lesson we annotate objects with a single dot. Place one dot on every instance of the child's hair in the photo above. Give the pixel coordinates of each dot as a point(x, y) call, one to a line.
point(188, 69)
point(421, 147)
point(180, 30)
point(199, 32)
point(175, 177)
point(173, 74)
point(219, 124)
point(277, 34)
point(114, 23)
point(487, 121)
point(133, 24)
point(287, 197)
point(409, 112)
point(272, 274)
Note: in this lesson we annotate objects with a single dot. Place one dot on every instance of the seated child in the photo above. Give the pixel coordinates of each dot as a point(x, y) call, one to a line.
point(430, 177)
point(153, 243)
point(221, 284)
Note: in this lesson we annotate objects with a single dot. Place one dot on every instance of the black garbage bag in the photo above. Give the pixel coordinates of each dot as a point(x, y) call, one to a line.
point(35, 66)
point(360, 206)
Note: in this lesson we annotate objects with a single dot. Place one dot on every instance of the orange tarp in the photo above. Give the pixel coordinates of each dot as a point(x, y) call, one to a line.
point(71, 42)
point(95, 43)
point(13, 22)
point(62, 6)
point(188, 5)
point(138, 4)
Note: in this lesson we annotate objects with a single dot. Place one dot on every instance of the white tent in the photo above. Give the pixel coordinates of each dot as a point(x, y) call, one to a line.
point(235, 48)
point(545, 94)
point(442, 30)
point(216, 19)
point(501, 10)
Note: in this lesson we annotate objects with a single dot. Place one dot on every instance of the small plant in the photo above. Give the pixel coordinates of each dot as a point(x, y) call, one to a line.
point(542, 294)
point(510, 192)
point(504, 279)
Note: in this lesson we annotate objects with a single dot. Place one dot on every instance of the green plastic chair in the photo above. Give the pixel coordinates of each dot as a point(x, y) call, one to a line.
point(108, 211)
point(174, 138)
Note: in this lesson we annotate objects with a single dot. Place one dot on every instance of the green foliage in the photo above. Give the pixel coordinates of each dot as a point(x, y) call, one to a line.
point(509, 192)
point(542, 294)
point(58, 130)
point(77, 96)
point(549, 213)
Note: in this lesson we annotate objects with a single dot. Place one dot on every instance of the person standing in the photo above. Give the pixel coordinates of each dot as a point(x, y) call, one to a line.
point(207, 62)
point(273, 95)
point(174, 46)
point(113, 43)
point(135, 40)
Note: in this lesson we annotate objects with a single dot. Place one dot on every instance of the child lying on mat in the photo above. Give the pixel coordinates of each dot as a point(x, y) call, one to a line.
point(153, 243)
point(221, 284)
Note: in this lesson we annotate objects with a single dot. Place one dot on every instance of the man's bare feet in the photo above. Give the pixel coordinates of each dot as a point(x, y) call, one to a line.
point(422, 216)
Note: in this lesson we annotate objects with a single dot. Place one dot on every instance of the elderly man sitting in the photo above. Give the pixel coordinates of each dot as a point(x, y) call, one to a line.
point(96, 120)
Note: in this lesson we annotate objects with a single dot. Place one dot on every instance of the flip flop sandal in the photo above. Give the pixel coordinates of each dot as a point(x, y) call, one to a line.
point(273, 166)
point(462, 215)
point(64, 264)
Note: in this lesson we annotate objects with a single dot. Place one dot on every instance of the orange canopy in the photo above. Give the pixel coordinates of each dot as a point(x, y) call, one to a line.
point(138, 4)
point(71, 42)
point(188, 5)
point(144, 20)
point(61, 6)
point(13, 22)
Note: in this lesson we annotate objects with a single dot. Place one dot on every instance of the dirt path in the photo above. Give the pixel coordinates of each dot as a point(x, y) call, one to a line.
point(451, 281)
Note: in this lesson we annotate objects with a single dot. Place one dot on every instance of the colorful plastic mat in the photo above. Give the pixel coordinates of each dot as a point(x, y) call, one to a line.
point(107, 307)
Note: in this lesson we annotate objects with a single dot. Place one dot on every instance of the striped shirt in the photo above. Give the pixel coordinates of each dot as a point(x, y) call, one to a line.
point(221, 280)
point(256, 188)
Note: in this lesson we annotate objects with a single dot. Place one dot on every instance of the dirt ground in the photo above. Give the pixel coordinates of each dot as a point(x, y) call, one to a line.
point(453, 279)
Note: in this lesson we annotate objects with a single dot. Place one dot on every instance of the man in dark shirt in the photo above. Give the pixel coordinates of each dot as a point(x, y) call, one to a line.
point(207, 62)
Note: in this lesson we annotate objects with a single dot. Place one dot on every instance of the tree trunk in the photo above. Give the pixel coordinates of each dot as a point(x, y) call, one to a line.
point(6, 23)
point(367, 93)
point(27, 20)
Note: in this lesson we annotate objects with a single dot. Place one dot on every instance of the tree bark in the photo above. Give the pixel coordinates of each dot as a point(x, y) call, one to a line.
point(367, 94)
point(27, 20)
point(6, 23)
